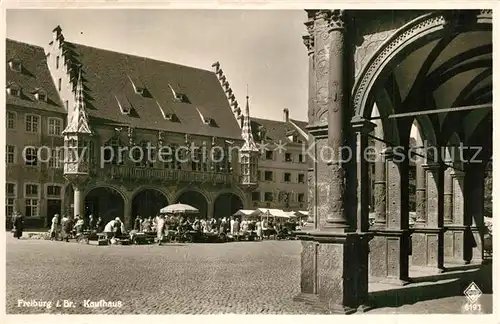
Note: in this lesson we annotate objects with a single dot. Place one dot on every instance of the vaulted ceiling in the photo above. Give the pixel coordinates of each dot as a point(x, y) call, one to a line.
point(452, 71)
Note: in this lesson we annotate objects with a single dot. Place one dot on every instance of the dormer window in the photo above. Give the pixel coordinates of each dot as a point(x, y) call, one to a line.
point(124, 105)
point(15, 65)
point(13, 90)
point(139, 87)
point(178, 96)
point(40, 95)
point(167, 114)
point(205, 118)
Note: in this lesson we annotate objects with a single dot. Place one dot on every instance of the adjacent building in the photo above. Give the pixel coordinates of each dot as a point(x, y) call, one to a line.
point(92, 131)
point(73, 98)
point(282, 169)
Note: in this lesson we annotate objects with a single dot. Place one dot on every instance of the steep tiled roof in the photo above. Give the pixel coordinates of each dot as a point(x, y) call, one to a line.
point(110, 77)
point(33, 76)
point(274, 130)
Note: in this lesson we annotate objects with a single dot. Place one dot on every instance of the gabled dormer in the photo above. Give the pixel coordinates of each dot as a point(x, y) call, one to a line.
point(178, 95)
point(139, 87)
point(13, 89)
point(40, 94)
point(123, 104)
point(205, 117)
point(167, 114)
point(15, 65)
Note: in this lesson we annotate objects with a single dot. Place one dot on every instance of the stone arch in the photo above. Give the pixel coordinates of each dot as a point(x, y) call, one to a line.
point(106, 201)
point(411, 36)
point(195, 198)
point(147, 201)
point(227, 203)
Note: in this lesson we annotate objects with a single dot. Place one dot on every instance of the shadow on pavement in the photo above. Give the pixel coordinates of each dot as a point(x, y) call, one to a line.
point(434, 287)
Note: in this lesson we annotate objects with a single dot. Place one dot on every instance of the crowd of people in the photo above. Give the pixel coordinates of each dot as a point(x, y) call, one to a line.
point(66, 227)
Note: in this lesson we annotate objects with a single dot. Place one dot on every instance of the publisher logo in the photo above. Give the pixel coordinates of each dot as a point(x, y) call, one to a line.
point(472, 292)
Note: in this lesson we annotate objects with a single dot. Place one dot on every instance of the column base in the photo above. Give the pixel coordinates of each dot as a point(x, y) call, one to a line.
point(323, 308)
point(334, 271)
point(388, 258)
point(427, 248)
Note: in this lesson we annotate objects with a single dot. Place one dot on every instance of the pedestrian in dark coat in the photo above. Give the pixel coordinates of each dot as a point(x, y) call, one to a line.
point(18, 226)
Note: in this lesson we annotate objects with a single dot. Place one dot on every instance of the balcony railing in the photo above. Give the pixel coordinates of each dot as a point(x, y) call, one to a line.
point(130, 173)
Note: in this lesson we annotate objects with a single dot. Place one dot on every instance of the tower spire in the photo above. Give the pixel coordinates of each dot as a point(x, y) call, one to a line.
point(246, 130)
point(78, 122)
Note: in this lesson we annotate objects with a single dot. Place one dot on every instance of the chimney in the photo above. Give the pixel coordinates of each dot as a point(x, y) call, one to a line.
point(286, 115)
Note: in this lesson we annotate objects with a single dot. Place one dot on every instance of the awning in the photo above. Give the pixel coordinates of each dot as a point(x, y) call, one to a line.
point(245, 212)
point(265, 212)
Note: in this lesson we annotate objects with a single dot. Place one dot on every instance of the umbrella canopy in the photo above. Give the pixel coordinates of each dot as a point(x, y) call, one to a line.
point(179, 209)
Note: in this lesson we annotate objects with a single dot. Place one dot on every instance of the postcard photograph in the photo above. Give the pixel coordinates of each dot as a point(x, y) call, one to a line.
point(319, 161)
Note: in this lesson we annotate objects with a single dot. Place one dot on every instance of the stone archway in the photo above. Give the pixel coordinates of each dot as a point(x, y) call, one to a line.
point(105, 202)
point(195, 199)
point(227, 204)
point(148, 202)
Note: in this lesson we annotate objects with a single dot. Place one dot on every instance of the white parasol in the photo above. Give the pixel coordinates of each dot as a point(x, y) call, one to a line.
point(179, 209)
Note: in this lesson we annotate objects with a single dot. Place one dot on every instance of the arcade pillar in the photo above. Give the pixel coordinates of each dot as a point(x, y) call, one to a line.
point(332, 254)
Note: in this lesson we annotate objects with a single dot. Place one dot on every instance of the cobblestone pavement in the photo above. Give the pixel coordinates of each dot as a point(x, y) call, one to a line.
point(243, 277)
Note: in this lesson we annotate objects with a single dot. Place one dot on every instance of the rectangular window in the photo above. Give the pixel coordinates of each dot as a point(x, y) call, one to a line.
point(14, 92)
point(11, 120)
point(57, 62)
point(30, 157)
point(55, 126)
point(269, 155)
point(66, 104)
point(31, 190)
point(268, 175)
point(11, 154)
point(256, 196)
point(301, 178)
point(10, 189)
point(288, 157)
point(54, 191)
point(258, 174)
point(268, 196)
point(31, 207)
point(301, 197)
point(288, 177)
point(32, 123)
point(301, 158)
point(56, 158)
point(59, 83)
point(10, 206)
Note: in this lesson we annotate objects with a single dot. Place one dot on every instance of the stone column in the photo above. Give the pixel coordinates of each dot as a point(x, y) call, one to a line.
point(330, 262)
point(428, 242)
point(78, 200)
point(455, 235)
point(380, 188)
point(362, 128)
point(127, 214)
point(474, 213)
point(420, 193)
point(448, 196)
point(396, 235)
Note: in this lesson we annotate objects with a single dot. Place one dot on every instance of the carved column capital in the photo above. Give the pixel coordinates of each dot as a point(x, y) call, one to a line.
point(336, 19)
point(309, 43)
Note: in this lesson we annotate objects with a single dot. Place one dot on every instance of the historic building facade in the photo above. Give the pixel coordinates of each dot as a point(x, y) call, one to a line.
point(375, 75)
point(122, 135)
point(282, 171)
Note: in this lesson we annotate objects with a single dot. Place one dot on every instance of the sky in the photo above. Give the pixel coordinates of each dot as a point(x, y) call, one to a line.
point(261, 49)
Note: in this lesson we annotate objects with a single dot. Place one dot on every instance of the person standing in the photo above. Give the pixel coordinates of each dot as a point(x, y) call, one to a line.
point(54, 228)
point(67, 227)
point(18, 225)
point(259, 230)
point(100, 225)
point(160, 228)
point(137, 223)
